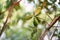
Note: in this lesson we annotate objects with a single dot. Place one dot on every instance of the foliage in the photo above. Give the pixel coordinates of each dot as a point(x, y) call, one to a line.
point(24, 25)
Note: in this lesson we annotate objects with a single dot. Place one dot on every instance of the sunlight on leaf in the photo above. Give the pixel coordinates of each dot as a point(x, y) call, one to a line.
point(36, 12)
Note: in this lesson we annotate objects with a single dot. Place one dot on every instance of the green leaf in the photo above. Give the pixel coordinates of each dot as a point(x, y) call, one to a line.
point(8, 3)
point(0, 8)
point(17, 7)
point(36, 21)
point(37, 11)
point(28, 17)
point(1, 16)
point(55, 8)
point(34, 31)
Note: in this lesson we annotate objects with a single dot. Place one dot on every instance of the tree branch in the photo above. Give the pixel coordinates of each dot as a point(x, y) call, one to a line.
point(9, 15)
point(51, 25)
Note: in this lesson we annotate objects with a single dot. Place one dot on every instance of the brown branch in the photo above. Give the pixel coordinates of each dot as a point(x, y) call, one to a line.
point(51, 25)
point(4, 25)
point(9, 15)
point(14, 3)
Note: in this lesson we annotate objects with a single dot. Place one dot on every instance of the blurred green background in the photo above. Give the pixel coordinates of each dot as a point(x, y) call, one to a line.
point(26, 23)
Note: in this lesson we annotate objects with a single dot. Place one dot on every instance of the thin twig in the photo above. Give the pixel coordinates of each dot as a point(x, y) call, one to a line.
point(53, 33)
point(48, 16)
